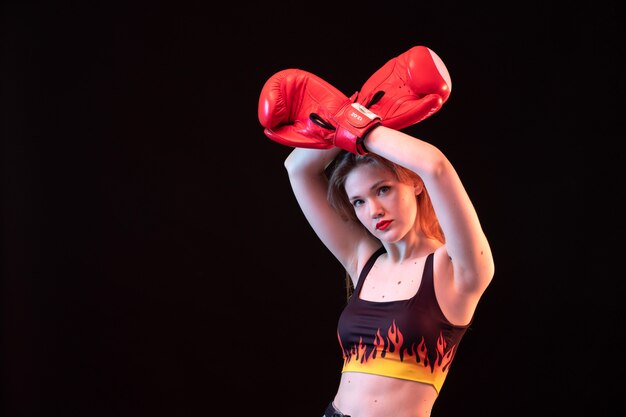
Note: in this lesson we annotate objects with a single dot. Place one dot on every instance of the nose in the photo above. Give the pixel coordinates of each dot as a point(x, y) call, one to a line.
point(376, 210)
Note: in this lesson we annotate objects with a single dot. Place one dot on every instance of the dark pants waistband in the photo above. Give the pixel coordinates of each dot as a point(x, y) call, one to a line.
point(331, 411)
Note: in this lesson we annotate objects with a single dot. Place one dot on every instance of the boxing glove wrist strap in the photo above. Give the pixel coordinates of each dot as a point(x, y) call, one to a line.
point(354, 122)
point(351, 124)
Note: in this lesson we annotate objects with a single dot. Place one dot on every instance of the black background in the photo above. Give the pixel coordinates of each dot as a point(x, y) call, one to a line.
point(155, 263)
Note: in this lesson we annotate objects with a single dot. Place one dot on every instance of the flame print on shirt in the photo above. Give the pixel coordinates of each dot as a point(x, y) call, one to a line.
point(390, 357)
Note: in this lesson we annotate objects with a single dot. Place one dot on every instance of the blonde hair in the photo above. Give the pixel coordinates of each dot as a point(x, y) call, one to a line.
point(338, 199)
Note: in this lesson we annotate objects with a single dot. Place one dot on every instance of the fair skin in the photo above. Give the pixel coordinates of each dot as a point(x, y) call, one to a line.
point(463, 266)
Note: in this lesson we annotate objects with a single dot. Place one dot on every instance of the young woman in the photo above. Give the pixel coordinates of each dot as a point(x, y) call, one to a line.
point(393, 211)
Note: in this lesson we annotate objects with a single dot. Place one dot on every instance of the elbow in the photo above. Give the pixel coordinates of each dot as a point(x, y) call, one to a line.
point(293, 163)
point(309, 161)
point(437, 167)
point(288, 163)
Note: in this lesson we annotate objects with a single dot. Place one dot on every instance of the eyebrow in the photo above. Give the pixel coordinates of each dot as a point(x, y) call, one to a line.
point(373, 187)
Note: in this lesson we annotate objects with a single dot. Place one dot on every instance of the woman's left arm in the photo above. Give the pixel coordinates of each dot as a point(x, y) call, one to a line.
point(466, 244)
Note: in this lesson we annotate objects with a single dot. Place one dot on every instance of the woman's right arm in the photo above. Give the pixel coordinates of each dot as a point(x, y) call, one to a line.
point(309, 183)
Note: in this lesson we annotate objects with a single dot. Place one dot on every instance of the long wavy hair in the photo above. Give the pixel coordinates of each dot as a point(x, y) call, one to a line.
point(345, 162)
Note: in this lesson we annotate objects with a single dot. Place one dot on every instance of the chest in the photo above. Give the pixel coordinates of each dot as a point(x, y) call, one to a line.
point(387, 282)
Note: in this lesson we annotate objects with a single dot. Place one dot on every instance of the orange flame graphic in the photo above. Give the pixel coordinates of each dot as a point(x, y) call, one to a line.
point(396, 357)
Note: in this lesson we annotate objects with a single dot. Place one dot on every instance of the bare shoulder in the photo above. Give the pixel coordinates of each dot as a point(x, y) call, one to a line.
point(364, 251)
point(442, 263)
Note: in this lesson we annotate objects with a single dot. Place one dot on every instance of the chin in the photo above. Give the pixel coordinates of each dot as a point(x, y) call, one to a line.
point(389, 238)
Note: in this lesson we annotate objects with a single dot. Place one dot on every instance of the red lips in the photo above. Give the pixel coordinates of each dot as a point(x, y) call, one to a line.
point(383, 224)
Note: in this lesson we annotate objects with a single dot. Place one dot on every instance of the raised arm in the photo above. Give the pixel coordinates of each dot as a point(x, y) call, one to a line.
point(301, 110)
point(305, 168)
point(466, 243)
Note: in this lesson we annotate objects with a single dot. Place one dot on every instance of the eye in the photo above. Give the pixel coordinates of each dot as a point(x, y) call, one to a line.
point(384, 190)
point(357, 203)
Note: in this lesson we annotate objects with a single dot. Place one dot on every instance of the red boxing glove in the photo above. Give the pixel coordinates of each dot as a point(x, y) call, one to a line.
point(299, 109)
point(408, 88)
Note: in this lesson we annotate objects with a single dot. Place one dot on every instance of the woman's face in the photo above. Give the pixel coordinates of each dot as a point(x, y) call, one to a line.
point(385, 206)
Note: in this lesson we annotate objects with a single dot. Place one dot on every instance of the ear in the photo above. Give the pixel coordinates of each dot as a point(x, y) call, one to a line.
point(418, 188)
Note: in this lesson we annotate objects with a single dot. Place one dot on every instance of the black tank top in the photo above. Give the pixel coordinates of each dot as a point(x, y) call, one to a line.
point(408, 339)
